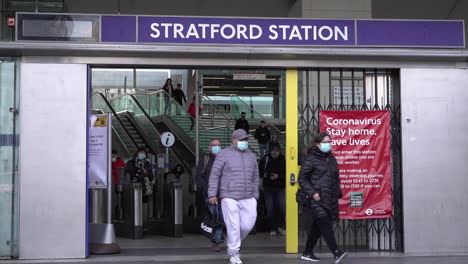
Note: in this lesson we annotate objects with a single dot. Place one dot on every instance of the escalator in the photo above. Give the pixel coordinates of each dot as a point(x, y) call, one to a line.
point(135, 128)
point(182, 152)
point(132, 129)
point(122, 140)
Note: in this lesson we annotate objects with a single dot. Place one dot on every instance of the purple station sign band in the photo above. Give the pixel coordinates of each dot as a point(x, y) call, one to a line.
point(294, 32)
point(240, 31)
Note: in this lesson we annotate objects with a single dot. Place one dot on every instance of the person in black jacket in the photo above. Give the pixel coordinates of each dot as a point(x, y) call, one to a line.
point(319, 178)
point(262, 134)
point(140, 171)
point(242, 123)
point(273, 171)
point(169, 89)
point(274, 142)
point(202, 176)
point(179, 94)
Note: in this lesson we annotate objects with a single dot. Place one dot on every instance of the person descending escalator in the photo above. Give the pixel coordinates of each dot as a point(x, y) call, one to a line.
point(179, 97)
point(169, 89)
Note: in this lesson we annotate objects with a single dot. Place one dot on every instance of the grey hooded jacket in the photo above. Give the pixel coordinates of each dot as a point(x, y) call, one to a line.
point(234, 175)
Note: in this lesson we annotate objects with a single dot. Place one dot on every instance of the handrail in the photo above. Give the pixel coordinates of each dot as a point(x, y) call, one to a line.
point(121, 140)
point(213, 128)
point(177, 103)
point(263, 118)
point(117, 117)
point(228, 117)
point(140, 107)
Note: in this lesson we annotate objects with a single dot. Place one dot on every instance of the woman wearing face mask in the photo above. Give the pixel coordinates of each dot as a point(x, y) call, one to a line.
point(319, 178)
point(139, 170)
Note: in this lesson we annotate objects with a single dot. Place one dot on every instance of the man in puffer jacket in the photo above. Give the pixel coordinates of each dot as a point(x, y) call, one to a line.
point(234, 179)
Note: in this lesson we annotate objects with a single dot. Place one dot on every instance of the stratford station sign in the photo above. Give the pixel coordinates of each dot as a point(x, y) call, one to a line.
point(240, 31)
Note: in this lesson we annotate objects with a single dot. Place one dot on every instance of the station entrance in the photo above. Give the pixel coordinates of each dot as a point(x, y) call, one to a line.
point(145, 102)
point(289, 101)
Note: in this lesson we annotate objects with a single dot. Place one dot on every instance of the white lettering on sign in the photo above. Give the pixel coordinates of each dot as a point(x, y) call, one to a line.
point(249, 32)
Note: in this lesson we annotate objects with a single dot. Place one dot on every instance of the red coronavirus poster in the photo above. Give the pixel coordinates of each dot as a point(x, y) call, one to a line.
point(361, 145)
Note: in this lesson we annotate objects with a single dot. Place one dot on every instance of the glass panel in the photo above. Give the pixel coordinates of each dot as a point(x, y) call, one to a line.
point(58, 27)
point(99, 104)
point(151, 80)
point(112, 82)
point(9, 161)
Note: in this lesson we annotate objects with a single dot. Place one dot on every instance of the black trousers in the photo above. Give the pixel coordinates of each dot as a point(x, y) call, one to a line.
point(321, 226)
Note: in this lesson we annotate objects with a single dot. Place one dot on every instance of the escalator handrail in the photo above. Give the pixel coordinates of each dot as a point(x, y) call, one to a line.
point(175, 102)
point(117, 118)
point(151, 120)
point(140, 107)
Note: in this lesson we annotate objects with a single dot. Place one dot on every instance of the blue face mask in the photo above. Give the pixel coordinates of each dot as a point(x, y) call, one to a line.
point(142, 156)
point(242, 145)
point(325, 147)
point(215, 150)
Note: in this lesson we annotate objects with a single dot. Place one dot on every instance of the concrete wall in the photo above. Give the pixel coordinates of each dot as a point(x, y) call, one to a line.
point(257, 8)
point(435, 150)
point(53, 140)
point(344, 9)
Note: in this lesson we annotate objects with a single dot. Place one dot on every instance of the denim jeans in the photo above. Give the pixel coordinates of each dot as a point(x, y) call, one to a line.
point(275, 201)
point(263, 149)
point(218, 237)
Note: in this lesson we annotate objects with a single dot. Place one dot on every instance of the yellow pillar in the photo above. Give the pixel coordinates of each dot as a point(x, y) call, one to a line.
point(291, 154)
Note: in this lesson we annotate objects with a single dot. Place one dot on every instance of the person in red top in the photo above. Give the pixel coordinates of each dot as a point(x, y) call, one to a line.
point(192, 113)
point(117, 163)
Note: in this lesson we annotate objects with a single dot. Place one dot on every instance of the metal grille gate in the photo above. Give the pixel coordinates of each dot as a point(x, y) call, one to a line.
point(356, 89)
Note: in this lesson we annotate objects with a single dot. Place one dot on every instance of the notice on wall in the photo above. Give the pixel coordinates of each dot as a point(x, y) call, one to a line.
point(346, 93)
point(98, 151)
point(361, 145)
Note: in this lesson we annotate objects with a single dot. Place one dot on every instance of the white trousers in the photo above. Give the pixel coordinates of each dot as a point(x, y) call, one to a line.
point(239, 217)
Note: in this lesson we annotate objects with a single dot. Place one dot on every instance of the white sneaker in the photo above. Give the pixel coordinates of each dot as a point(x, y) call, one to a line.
point(235, 259)
point(282, 231)
point(272, 233)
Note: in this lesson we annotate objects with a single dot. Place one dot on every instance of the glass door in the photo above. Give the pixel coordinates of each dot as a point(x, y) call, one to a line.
point(8, 159)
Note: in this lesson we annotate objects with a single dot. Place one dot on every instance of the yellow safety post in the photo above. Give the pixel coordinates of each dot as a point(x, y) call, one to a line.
point(291, 154)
